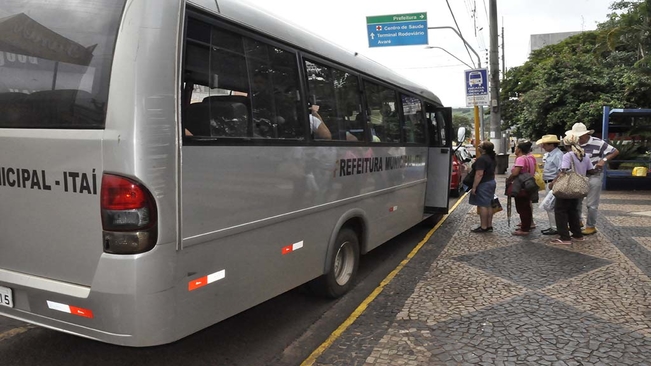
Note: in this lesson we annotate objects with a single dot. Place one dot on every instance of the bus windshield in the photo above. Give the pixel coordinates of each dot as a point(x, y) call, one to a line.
point(55, 62)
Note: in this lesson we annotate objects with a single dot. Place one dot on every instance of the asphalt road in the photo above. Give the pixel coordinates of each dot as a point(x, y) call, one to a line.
point(282, 331)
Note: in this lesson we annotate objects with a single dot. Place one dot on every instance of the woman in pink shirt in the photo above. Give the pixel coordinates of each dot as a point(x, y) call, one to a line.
point(524, 163)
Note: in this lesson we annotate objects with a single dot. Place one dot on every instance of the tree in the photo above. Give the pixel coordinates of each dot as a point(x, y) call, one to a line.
point(459, 120)
point(571, 81)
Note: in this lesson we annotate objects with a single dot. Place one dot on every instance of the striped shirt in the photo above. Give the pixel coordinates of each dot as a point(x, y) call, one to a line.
point(597, 149)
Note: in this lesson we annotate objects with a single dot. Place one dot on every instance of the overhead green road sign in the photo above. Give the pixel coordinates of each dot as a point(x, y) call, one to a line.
point(414, 17)
point(397, 30)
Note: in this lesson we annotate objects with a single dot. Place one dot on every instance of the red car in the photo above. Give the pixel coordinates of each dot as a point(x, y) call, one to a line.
point(460, 167)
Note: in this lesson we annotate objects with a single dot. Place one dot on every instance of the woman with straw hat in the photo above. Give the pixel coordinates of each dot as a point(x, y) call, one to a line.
point(600, 152)
point(568, 210)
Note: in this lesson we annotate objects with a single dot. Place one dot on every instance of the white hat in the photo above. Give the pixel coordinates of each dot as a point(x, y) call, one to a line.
point(579, 129)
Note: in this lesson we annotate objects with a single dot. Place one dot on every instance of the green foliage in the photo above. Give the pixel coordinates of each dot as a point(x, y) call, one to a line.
point(462, 118)
point(571, 81)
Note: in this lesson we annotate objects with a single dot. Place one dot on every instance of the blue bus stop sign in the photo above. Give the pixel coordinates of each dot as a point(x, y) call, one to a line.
point(476, 87)
point(397, 30)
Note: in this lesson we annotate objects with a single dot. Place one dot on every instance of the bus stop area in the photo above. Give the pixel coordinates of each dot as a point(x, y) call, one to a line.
point(496, 299)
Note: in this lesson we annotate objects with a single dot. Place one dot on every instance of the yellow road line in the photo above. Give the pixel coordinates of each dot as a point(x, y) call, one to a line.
point(14, 332)
point(362, 307)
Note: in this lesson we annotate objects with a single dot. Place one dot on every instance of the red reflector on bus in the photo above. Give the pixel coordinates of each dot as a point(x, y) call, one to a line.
point(205, 280)
point(81, 312)
point(292, 247)
point(70, 309)
point(198, 283)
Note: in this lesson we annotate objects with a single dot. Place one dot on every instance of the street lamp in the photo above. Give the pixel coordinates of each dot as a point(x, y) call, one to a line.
point(446, 51)
point(478, 136)
point(464, 41)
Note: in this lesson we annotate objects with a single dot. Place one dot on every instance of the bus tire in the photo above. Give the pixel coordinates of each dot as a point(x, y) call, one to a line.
point(342, 267)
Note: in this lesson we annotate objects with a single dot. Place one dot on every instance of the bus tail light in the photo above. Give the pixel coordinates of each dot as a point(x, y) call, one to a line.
point(129, 217)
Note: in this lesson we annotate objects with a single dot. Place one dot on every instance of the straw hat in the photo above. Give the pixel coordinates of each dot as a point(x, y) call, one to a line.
point(579, 129)
point(548, 139)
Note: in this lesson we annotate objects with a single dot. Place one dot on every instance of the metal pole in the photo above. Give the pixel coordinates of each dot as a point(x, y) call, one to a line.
point(495, 125)
point(503, 53)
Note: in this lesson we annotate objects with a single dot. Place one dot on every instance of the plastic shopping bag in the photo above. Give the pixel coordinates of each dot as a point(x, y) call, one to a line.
point(548, 202)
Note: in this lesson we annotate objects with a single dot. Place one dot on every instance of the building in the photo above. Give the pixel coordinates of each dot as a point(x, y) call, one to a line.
point(539, 41)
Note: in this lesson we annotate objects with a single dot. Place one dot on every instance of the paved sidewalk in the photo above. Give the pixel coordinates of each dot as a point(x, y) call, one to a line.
point(497, 299)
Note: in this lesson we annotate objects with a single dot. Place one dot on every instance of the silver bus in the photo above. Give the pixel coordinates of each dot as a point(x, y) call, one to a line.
point(166, 164)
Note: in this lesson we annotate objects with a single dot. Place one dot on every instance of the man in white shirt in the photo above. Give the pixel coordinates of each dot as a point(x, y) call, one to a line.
point(554, 157)
point(599, 152)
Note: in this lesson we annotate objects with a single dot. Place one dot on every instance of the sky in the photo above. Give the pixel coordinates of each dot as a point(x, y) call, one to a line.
point(344, 22)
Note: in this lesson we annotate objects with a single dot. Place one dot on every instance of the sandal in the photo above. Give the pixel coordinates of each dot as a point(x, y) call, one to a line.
point(479, 229)
point(533, 226)
point(520, 233)
point(560, 241)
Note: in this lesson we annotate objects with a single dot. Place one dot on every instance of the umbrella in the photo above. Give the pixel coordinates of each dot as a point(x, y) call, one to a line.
point(508, 210)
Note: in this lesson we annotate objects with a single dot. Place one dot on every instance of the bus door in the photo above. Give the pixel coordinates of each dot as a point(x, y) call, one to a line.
point(439, 122)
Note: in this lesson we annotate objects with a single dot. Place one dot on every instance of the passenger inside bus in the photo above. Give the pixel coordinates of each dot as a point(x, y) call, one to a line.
point(317, 125)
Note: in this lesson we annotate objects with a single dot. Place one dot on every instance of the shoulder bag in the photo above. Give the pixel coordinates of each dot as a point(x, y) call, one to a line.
point(570, 185)
point(469, 179)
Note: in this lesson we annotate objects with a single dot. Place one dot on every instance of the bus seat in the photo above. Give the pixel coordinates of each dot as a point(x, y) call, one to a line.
point(197, 119)
point(230, 115)
point(12, 105)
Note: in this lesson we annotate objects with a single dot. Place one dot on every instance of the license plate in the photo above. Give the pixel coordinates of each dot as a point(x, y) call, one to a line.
point(6, 298)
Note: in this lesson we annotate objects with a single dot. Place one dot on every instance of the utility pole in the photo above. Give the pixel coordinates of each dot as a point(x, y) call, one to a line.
point(495, 122)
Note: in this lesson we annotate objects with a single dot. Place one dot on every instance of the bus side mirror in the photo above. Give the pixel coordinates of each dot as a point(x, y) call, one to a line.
point(461, 135)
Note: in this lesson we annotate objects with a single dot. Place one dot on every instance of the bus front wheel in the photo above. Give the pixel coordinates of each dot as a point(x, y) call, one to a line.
point(342, 267)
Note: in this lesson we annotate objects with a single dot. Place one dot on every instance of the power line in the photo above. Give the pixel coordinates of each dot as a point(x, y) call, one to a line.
point(457, 24)
point(428, 67)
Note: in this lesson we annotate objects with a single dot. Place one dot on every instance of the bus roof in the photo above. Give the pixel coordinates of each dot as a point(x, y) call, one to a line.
point(249, 15)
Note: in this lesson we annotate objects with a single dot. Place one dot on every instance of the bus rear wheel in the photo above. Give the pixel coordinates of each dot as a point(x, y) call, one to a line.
point(342, 268)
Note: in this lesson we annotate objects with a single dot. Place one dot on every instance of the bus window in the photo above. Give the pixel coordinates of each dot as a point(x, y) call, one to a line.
point(385, 123)
point(54, 74)
point(240, 87)
point(437, 129)
point(414, 128)
point(337, 94)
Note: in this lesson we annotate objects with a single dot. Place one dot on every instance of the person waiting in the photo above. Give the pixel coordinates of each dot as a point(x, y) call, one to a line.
point(551, 169)
point(599, 152)
point(317, 126)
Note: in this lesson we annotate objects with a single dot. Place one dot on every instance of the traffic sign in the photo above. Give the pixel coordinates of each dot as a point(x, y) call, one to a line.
point(397, 30)
point(476, 87)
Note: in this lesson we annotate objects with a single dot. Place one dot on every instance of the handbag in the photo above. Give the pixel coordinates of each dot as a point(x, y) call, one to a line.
point(570, 185)
point(469, 179)
point(495, 205)
point(526, 185)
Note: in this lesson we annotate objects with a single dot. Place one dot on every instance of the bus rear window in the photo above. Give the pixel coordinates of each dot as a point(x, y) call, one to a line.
point(55, 62)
